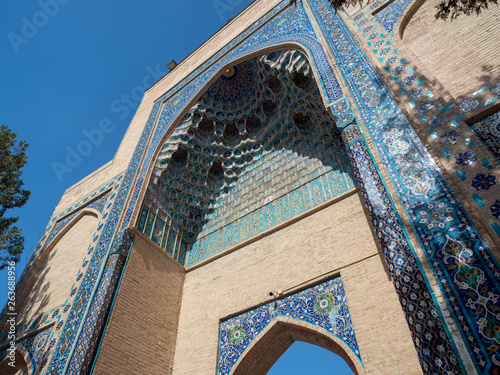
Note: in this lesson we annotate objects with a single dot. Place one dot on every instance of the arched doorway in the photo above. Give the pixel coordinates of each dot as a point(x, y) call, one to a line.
point(279, 336)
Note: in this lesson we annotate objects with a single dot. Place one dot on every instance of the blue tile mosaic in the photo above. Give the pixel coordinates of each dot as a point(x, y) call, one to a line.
point(469, 105)
point(488, 131)
point(465, 158)
point(495, 89)
point(324, 306)
point(419, 181)
point(260, 165)
point(450, 137)
point(483, 181)
point(289, 26)
point(437, 120)
point(389, 16)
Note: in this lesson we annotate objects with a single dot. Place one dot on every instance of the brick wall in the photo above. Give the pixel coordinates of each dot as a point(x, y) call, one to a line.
point(140, 336)
point(331, 238)
point(57, 271)
point(463, 54)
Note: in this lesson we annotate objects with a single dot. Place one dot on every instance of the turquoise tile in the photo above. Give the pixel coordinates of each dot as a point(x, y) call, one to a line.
point(177, 247)
point(149, 225)
point(284, 208)
point(317, 192)
point(171, 243)
point(326, 187)
point(165, 237)
point(227, 240)
point(158, 231)
point(236, 235)
point(256, 222)
point(269, 216)
point(193, 253)
point(306, 197)
point(182, 253)
point(336, 181)
point(211, 247)
point(220, 240)
point(202, 249)
point(142, 219)
point(296, 203)
point(478, 200)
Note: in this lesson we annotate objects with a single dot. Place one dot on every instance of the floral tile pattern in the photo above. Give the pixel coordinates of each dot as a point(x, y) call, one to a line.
point(488, 131)
point(427, 199)
point(324, 305)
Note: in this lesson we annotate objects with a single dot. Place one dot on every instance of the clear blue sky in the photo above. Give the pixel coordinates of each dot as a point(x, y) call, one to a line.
point(67, 65)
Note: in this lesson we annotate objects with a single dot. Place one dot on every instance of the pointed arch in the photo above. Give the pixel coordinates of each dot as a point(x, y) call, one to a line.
point(279, 335)
point(85, 211)
point(162, 134)
point(246, 94)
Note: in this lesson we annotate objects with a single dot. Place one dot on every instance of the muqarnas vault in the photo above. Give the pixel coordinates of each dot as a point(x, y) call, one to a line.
point(303, 175)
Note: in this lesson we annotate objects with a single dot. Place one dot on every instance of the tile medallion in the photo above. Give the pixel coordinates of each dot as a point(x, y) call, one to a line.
point(324, 306)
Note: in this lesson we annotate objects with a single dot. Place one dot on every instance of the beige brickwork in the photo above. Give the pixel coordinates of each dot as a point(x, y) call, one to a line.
point(462, 55)
point(140, 337)
point(331, 238)
point(50, 284)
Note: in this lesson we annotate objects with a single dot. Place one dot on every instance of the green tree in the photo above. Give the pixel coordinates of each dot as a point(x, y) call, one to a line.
point(445, 9)
point(12, 159)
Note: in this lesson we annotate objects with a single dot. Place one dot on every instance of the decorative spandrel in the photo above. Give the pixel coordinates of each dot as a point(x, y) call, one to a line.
point(324, 306)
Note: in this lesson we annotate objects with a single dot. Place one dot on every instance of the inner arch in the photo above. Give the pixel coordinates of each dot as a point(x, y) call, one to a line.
point(305, 358)
point(280, 336)
point(256, 149)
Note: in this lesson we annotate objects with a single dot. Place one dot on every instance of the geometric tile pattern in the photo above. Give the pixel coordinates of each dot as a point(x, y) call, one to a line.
point(57, 222)
point(445, 117)
point(282, 25)
point(488, 131)
point(309, 195)
point(439, 220)
point(85, 348)
point(77, 310)
point(95, 200)
point(324, 306)
point(273, 167)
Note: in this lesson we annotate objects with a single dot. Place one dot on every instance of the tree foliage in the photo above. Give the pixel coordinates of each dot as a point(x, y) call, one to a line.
point(12, 159)
point(445, 9)
point(454, 8)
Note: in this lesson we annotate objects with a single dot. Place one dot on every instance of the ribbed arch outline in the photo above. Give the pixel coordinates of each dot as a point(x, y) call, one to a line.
point(178, 118)
point(278, 336)
point(50, 245)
